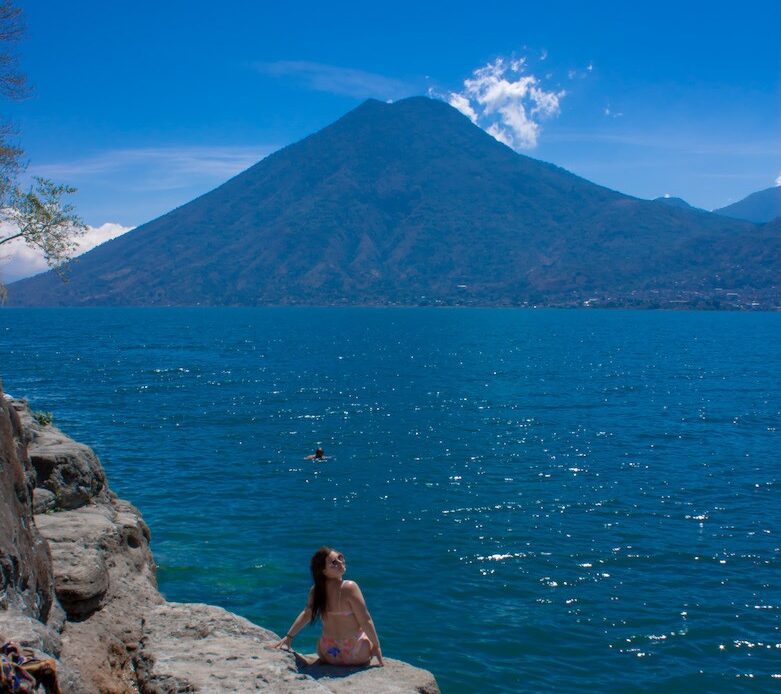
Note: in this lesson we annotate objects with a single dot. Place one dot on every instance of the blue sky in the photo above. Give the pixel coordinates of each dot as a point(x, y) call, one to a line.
point(144, 106)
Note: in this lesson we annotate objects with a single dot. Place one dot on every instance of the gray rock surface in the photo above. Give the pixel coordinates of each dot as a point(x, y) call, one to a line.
point(94, 547)
point(77, 540)
point(29, 632)
point(395, 678)
point(43, 500)
point(69, 470)
point(105, 580)
point(26, 582)
point(211, 650)
point(78, 585)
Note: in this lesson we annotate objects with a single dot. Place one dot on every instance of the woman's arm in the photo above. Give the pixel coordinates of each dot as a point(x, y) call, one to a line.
point(354, 596)
point(304, 617)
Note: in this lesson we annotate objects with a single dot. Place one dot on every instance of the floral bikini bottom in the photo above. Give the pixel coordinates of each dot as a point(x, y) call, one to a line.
point(345, 651)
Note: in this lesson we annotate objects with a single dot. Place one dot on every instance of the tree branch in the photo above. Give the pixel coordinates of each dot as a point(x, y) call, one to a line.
point(11, 238)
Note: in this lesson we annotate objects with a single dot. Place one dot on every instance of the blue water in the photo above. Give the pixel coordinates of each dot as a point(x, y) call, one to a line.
point(530, 500)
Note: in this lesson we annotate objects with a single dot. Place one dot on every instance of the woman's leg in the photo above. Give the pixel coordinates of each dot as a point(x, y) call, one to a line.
point(321, 654)
point(357, 651)
point(361, 652)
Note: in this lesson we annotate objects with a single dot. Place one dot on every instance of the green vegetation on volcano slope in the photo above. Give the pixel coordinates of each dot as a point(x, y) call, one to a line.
point(410, 203)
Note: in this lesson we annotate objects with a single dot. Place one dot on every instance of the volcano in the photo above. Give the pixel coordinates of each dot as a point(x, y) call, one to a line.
point(409, 203)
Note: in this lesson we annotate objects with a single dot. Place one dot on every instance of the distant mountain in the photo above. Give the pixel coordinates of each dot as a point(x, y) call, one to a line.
point(674, 202)
point(411, 204)
point(758, 207)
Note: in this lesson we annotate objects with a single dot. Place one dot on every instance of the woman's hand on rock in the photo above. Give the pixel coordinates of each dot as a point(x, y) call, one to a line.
point(286, 641)
point(377, 653)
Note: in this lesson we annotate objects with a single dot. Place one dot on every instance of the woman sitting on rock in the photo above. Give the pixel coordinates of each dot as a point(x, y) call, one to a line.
point(348, 637)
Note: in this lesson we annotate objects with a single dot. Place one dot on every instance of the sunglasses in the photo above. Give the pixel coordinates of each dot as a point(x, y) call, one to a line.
point(335, 562)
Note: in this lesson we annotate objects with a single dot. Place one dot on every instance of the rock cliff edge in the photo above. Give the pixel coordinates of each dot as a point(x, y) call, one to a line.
point(77, 583)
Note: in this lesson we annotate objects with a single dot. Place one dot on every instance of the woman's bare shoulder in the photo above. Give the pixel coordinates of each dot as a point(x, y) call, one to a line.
point(351, 589)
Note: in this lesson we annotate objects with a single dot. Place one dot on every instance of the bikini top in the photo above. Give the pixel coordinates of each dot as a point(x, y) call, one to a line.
point(340, 613)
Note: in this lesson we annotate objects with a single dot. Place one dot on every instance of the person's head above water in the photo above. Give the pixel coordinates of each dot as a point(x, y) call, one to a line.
point(326, 564)
point(319, 453)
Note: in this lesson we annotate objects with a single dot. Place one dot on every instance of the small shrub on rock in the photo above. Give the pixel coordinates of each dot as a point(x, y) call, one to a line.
point(43, 418)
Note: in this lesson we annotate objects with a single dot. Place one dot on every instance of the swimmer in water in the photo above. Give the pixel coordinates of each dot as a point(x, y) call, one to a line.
point(319, 454)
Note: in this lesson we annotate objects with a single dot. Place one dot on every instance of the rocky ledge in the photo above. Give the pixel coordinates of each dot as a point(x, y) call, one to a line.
point(77, 584)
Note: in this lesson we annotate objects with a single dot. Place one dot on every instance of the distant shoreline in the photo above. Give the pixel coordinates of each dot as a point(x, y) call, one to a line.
point(670, 307)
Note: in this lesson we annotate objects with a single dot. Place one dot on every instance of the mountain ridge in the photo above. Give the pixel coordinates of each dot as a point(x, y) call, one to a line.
point(760, 207)
point(673, 202)
point(410, 203)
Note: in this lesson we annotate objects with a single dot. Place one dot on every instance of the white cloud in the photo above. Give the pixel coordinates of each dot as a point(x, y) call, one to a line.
point(507, 102)
point(158, 168)
point(778, 180)
point(339, 80)
point(461, 103)
point(18, 260)
point(499, 134)
point(580, 73)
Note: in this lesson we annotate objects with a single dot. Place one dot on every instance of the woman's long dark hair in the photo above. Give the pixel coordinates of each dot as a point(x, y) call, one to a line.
point(319, 596)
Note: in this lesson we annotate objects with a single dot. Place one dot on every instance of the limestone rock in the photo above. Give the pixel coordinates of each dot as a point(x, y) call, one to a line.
point(25, 565)
point(105, 578)
point(29, 632)
point(395, 678)
point(101, 650)
point(76, 539)
point(70, 470)
point(43, 500)
point(194, 647)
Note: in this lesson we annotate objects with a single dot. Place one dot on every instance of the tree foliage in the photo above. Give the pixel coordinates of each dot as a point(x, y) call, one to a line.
point(13, 85)
point(39, 215)
point(45, 221)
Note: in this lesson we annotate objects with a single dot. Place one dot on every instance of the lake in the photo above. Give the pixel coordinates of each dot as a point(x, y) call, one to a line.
point(530, 500)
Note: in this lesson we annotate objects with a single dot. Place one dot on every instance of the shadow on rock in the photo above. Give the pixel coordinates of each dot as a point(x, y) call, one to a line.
point(312, 666)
